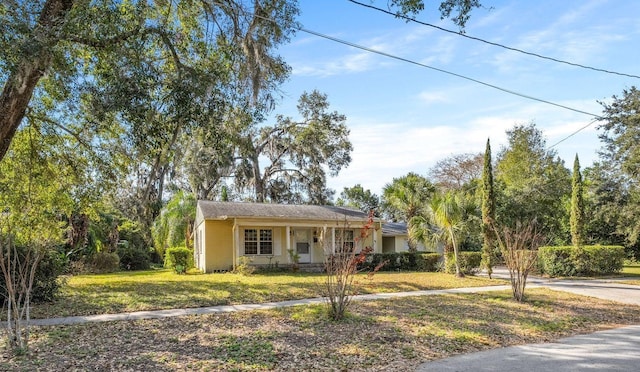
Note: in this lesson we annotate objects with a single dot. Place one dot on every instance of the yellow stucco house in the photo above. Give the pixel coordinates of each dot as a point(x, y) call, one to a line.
point(226, 231)
point(395, 238)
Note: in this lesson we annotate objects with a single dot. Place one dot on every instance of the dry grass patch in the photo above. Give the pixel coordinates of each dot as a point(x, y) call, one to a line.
point(393, 334)
point(162, 289)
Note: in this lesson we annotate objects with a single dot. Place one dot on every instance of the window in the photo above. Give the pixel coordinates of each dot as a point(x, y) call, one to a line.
point(344, 240)
point(258, 241)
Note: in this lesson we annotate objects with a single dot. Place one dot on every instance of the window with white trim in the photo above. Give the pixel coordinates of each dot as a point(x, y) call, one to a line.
point(344, 240)
point(258, 242)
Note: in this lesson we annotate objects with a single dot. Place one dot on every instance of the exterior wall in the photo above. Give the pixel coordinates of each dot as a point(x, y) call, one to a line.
point(388, 244)
point(221, 243)
point(218, 245)
point(280, 254)
point(400, 243)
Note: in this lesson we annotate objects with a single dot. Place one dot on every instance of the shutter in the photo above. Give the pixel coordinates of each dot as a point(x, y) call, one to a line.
point(277, 241)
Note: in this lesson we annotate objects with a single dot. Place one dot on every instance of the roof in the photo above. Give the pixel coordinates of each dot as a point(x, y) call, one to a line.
point(394, 228)
point(223, 210)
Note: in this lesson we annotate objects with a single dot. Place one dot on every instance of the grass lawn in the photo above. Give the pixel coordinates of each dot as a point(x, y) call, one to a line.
point(162, 289)
point(632, 270)
point(393, 334)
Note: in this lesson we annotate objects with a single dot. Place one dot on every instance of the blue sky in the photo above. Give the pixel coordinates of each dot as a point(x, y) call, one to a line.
point(405, 118)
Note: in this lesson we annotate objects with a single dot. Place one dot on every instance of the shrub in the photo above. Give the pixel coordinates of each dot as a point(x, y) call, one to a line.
point(428, 261)
point(404, 261)
point(46, 284)
point(244, 266)
point(133, 257)
point(469, 262)
point(586, 260)
point(179, 259)
point(102, 262)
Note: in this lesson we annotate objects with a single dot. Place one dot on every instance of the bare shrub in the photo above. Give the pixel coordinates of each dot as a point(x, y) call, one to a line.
point(19, 271)
point(341, 266)
point(519, 247)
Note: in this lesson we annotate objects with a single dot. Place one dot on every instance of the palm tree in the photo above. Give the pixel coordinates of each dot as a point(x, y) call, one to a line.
point(175, 223)
point(405, 198)
point(447, 221)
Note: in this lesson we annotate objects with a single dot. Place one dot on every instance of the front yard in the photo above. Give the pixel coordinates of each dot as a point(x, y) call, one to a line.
point(162, 289)
point(393, 334)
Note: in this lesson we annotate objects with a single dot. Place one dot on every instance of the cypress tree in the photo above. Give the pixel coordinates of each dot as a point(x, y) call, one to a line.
point(577, 206)
point(488, 212)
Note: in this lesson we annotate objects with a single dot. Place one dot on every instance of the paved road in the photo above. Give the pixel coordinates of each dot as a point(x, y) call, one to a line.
point(612, 350)
point(607, 289)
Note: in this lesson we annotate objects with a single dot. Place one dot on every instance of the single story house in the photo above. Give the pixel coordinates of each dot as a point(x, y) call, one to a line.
point(226, 231)
point(395, 238)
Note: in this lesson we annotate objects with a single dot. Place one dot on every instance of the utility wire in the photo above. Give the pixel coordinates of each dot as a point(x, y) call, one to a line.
point(574, 133)
point(495, 44)
point(370, 50)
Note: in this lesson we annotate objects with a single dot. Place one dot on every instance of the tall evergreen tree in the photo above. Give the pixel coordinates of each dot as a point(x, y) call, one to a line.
point(488, 212)
point(577, 206)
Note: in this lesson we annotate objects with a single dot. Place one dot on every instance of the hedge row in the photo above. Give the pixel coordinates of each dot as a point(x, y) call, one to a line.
point(586, 260)
point(402, 261)
point(469, 262)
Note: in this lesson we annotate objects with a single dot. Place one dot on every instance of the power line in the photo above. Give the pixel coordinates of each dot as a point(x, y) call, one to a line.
point(495, 44)
point(370, 50)
point(574, 133)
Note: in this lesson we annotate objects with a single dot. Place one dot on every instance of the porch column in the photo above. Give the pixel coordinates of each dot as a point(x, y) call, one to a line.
point(333, 240)
point(288, 242)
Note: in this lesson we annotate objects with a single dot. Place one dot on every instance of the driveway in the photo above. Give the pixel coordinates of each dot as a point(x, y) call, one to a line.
point(612, 350)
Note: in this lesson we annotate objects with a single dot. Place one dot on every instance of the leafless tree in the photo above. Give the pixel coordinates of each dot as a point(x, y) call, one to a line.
point(519, 246)
point(18, 269)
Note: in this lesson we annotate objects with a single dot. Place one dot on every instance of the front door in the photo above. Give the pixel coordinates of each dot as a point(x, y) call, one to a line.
point(303, 245)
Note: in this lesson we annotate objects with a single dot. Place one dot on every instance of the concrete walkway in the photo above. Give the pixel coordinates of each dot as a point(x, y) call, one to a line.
point(158, 314)
point(612, 350)
point(603, 289)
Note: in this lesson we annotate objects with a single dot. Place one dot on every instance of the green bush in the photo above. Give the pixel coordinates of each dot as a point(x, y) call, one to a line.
point(469, 262)
point(133, 257)
point(46, 284)
point(403, 261)
point(587, 260)
point(428, 261)
point(180, 259)
point(102, 262)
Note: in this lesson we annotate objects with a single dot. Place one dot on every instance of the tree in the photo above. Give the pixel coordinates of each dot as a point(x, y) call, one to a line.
point(533, 183)
point(174, 227)
point(406, 197)
point(488, 212)
point(448, 220)
point(456, 171)
point(463, 9)
point(519, 246)
point(621, 126)
point(286, 162)
point(577, 219)
point(617, 176)
point(360, 198)
point(68, 33)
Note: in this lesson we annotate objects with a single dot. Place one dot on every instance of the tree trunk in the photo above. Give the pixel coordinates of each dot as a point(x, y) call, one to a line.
point(19, 87)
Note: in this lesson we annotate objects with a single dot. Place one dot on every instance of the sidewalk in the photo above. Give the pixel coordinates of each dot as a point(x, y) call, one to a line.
point(158, 314)
point(604, 289)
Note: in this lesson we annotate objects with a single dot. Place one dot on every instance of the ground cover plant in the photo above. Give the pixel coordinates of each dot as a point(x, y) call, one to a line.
point(162, 289)
point(393, 334)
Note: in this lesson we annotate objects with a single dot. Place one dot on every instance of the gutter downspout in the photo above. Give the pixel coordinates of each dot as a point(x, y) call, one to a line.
point(234, 239)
